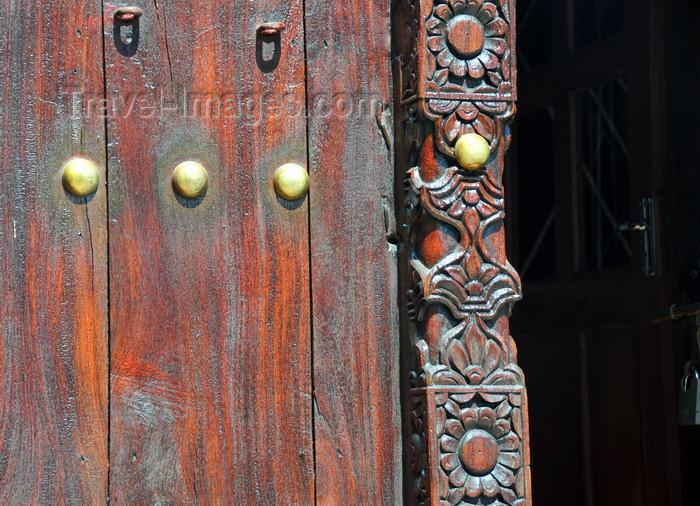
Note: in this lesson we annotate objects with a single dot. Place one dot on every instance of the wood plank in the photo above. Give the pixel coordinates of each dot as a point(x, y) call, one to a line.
point(211, 378)
point(568, 233)
point(650, 177)
point(53, 259)
point(613, 355)
point(558, 469)
point(355, 314)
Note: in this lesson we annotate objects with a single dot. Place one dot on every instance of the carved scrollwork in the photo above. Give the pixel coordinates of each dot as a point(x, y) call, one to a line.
point(471, 278)
point(468, 414)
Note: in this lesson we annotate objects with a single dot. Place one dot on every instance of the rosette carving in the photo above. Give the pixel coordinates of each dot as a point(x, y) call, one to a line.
point(467, 49)
point(463, 50)
point(480, 452)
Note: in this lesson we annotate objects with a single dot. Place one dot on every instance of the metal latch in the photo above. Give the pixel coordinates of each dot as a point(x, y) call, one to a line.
point(646, 226)
point(689, 396)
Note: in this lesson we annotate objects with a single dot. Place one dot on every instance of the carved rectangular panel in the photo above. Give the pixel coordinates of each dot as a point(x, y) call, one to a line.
point(463, 50)
point(467, 405)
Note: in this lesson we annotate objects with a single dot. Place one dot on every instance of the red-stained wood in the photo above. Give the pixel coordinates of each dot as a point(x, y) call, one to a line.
point(210, 332)
point(53, 259)
point(465, 403)
point(353, 264)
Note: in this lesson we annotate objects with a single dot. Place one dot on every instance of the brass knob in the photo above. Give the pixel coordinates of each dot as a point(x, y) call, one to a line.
point(80, 177)
point(190, 179)
point(472, 151)
point(291, 181)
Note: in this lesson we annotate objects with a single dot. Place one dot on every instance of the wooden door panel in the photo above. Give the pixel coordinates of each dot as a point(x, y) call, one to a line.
point(560, 450)
point(611, 356)
point(210, 350)
point(53, 259)
point(355, 315)
point(607, 115)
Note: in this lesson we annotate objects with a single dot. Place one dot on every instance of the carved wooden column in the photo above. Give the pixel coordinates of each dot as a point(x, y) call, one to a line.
point(467, 414)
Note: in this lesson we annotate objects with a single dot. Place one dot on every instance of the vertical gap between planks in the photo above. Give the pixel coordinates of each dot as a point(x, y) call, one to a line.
point(586, 419)
point(108, 267)
point(312, 368)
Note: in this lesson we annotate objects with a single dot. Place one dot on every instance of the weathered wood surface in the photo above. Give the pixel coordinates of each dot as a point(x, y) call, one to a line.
point(355, 313)
point(53, 260)
point(210, 389)
point(210, 355)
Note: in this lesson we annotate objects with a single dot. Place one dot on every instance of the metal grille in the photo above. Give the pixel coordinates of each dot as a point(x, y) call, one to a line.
point(604, 174)
point(536, 195)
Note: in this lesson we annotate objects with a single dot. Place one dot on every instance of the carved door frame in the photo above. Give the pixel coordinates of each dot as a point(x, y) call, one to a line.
point(465, 415)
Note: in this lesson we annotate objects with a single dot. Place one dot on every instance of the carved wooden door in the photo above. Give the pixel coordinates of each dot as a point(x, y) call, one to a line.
point(229, 348)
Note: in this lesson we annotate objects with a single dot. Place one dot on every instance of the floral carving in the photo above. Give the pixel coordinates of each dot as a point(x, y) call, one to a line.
point(478, 355)
point(463, 50)
point(461, 73)
point(466, 40)
point(418, 450)
point(474, 357)
point(454, 118)
point(468, 407)
point(409, 50)
point(480, 453)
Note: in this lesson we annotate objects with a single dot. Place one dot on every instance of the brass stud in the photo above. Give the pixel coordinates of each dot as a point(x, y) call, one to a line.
point(190, 179)
point(80, 177)
point(472, 151)
point(291, 181)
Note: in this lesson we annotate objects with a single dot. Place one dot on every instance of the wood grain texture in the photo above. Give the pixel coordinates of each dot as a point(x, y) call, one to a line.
point(211, 379)
point(355, 314)
point(53, 260)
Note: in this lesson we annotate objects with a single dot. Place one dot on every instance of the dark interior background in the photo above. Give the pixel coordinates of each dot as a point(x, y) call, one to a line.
point(565, 370)
point(683, 114)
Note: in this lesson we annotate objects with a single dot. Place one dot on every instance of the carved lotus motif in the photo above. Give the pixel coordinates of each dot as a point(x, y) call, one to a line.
point(471, 286)
point(467, 39)
point(479, 454)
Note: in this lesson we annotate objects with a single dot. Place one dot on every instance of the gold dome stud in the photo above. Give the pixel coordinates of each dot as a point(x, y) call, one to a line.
point(291, 181)
point(80, 177)
point(472, 151)
point(190, 179)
